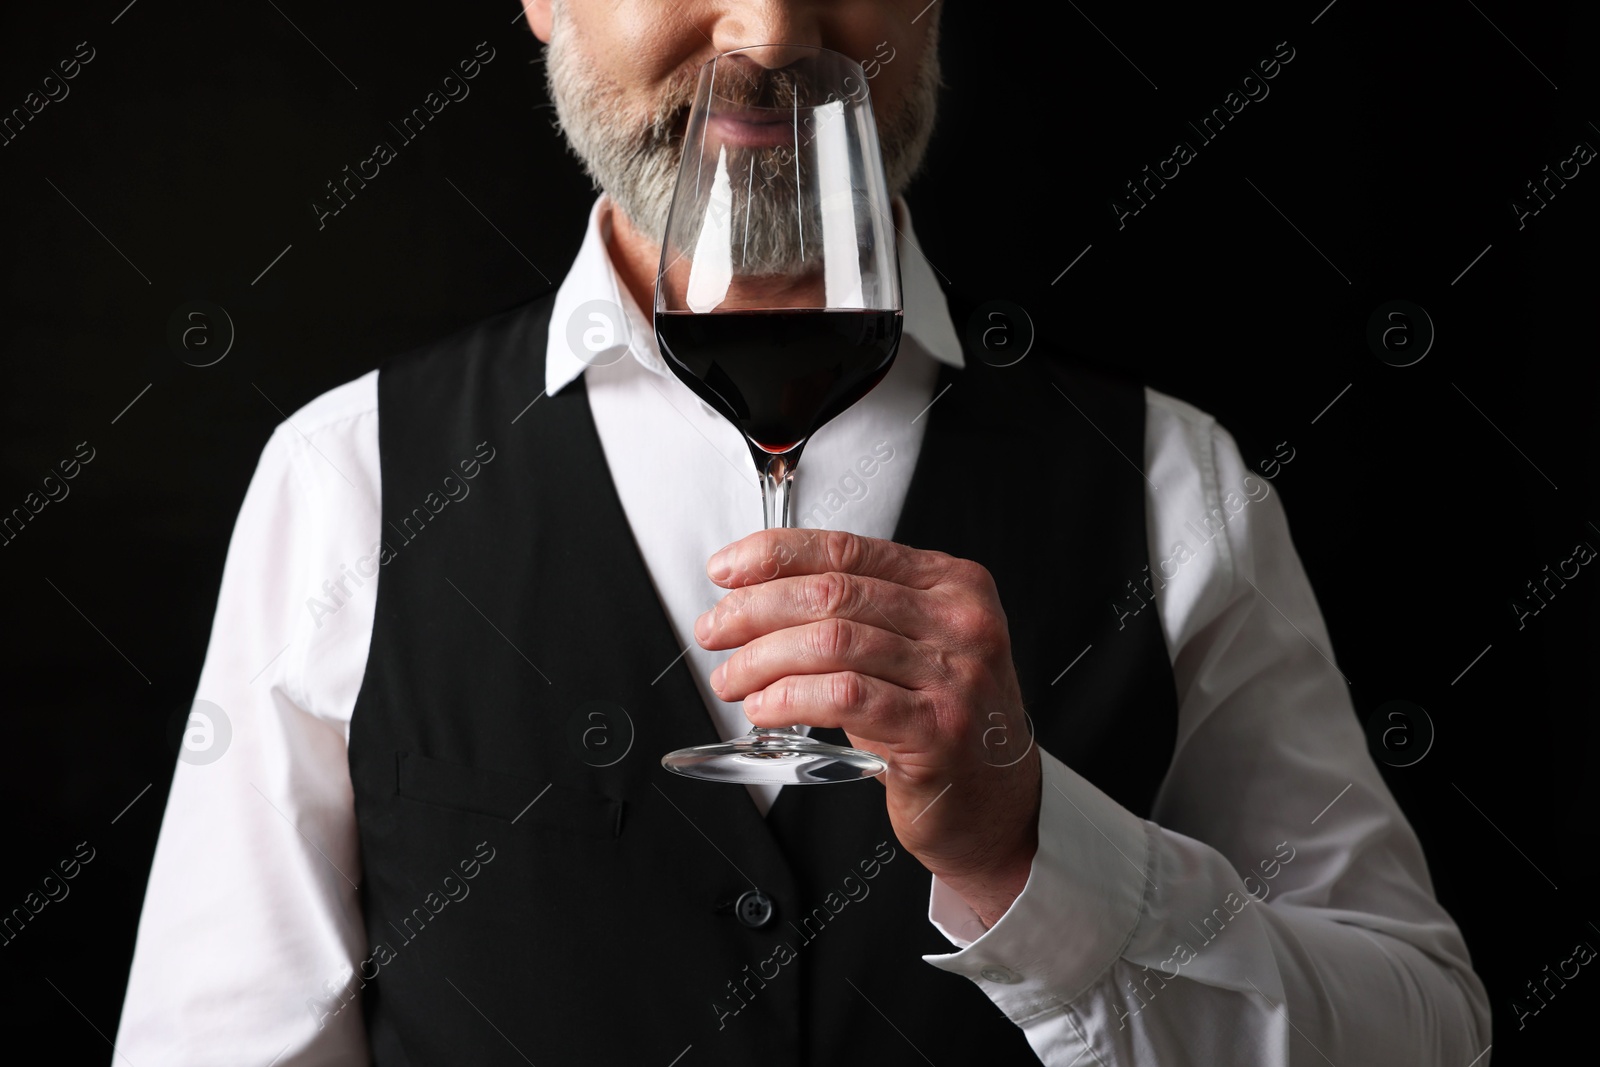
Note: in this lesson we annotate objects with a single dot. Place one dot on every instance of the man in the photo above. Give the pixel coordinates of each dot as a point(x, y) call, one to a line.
point(440, 831)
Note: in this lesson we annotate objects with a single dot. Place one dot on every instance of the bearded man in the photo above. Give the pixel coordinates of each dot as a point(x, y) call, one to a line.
point(472, 596)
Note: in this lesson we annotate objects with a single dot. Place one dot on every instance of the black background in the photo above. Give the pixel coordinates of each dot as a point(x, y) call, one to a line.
point(1421, 501)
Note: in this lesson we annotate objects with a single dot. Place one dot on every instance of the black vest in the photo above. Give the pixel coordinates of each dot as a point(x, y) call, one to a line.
point(515, 619)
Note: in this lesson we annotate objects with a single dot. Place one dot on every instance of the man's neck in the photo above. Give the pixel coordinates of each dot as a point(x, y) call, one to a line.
point(635, 256)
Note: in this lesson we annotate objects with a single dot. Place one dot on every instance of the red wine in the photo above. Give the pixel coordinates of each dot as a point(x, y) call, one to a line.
point(779, 375)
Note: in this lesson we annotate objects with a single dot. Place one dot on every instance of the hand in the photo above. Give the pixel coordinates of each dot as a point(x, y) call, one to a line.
point(908, 653)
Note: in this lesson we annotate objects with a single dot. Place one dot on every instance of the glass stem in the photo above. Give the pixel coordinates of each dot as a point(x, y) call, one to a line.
point(777, 486)
point(777, 489)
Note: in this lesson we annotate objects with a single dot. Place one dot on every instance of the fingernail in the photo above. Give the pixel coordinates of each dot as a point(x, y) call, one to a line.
point(720, 566)
point(702, 626)
point(716, 678)
point(752, 703)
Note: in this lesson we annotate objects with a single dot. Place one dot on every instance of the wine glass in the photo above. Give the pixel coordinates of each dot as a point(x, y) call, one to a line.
point(778, 301)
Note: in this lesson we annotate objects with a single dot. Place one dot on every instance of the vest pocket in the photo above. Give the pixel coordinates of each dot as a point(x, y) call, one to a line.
point(524, 801)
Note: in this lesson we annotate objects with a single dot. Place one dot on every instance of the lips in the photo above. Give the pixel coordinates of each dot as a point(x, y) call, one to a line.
point(752, 129)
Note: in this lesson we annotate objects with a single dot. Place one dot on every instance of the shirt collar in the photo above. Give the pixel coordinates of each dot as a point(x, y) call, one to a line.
point(595, 320)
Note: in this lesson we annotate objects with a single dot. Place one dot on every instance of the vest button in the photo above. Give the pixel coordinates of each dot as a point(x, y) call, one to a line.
point(754, 908)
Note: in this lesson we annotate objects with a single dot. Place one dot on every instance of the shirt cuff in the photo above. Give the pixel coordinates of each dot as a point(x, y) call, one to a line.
point(1084, 896)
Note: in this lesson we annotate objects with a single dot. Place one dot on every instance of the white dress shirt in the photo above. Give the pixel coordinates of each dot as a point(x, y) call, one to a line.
point(1275, 908)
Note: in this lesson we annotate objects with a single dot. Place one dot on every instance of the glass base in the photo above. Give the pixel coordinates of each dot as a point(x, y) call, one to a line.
point(774, 757)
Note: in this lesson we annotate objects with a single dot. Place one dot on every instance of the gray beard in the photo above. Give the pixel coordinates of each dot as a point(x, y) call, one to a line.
point(637, 167)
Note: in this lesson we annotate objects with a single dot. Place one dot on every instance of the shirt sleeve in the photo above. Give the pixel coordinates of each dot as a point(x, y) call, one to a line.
point(1276, 907)
point(251, 922)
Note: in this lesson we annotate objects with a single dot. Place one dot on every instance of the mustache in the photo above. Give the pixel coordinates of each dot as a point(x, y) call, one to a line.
point(667, 119)
point(746, 85)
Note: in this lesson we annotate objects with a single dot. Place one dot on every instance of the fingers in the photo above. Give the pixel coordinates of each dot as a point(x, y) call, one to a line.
point(826, 647)
point(868, 709)
point(770, 554)
point(751, 611)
